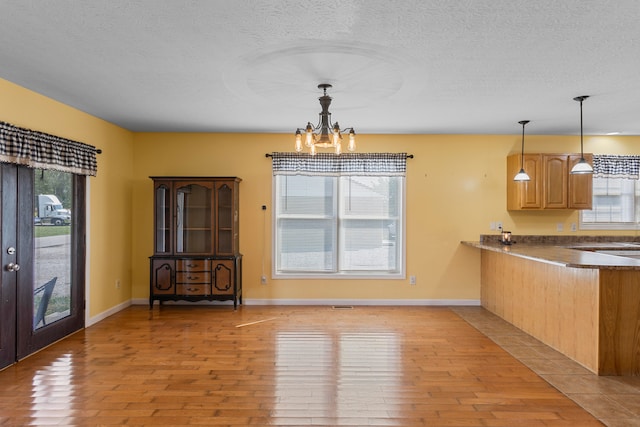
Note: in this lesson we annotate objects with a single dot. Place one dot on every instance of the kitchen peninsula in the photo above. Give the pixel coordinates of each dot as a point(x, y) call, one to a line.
point(578, 294)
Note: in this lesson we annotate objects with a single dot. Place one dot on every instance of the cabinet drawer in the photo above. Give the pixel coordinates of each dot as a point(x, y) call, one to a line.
point(193, 265)
point(187, 277)
point(192, 289)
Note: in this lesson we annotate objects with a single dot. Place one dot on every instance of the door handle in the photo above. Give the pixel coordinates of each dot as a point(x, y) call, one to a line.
point(13, 267)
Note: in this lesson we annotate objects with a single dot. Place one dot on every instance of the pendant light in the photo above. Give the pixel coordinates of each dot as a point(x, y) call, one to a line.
point(522, 175)
point(582, 167)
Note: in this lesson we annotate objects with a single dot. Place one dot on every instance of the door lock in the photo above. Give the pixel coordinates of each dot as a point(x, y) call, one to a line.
point(13, 267)
point(11, 250)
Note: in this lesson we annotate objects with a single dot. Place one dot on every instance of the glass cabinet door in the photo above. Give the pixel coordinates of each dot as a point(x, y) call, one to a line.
point(194, 218)
point(162, 218)
point(225, 219)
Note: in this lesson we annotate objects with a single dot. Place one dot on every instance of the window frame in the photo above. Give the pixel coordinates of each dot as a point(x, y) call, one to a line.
point(626, 225)
point(337, 254)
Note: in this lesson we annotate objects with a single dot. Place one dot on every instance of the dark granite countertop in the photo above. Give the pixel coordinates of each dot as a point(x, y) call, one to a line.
point(570, 251)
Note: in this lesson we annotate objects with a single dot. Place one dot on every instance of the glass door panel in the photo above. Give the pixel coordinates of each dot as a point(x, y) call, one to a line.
point(193, 219)
point(225, 219)
point(53, 201)
point(163, 219)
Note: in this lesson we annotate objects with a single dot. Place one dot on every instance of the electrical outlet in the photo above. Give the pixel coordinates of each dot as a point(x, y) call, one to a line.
point(499, 225)
point(492, 225)
point(574, 227)
point(412, 280)
point(263, 280)
point(560, 227)
point(118, 284)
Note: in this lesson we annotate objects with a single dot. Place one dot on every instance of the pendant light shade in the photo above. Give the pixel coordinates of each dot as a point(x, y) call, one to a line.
point(522, 175)
point(582, 167)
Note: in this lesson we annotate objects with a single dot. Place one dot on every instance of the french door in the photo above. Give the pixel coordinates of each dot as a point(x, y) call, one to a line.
point(42, 258)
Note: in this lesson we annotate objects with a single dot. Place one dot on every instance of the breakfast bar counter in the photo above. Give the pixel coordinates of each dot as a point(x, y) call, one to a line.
point(580, 296)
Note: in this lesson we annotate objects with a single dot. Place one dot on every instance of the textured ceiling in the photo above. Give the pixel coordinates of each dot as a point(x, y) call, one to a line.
point(405, 66)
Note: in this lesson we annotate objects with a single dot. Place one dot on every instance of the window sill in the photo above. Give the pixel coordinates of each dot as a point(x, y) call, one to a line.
point(339, 276)
point(609, 226)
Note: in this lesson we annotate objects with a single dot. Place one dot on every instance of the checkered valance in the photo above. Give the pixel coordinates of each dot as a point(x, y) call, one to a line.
point(330, 164)
point(40, 150)
point(612, 166)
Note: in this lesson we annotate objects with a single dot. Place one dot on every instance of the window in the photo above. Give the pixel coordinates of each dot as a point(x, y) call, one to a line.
point(349, 225)
point(616, 193)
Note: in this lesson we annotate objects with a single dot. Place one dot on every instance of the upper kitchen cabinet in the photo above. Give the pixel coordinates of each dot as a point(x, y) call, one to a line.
point(580, 185)
point(524, 194)
point(551, 185)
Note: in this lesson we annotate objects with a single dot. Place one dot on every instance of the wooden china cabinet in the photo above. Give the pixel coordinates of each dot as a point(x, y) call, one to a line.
point(196, 247)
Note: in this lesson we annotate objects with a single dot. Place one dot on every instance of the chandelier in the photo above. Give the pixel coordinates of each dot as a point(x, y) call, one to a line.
point(324, 134)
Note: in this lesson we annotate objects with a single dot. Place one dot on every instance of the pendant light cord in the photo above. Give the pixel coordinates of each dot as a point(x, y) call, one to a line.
point(580, 99)
point(522, 151)
point(581, 133)
point(523, 123)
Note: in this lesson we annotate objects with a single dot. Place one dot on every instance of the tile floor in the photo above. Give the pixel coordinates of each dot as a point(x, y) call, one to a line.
point(615, 401)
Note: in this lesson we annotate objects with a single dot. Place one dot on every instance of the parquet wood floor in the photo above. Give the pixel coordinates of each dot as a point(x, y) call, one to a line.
point(287, 366)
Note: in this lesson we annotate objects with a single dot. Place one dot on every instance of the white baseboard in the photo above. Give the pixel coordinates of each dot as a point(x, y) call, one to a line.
point(363, 302)
point(113, 310)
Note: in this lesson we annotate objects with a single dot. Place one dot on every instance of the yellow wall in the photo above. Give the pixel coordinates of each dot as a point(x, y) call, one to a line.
point(109, 211)
point(456, 186)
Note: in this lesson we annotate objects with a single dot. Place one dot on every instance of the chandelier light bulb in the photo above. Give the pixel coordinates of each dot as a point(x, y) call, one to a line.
point(309, 135)
point(298, 141)
point(352, 141)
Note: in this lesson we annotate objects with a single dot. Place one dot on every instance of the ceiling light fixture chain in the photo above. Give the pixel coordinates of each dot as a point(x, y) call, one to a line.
point(522, 175)
point(325, 134)
point(582, 167)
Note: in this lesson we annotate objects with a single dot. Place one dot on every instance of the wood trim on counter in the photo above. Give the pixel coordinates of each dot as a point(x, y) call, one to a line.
point(588, 314)
point(619, 322)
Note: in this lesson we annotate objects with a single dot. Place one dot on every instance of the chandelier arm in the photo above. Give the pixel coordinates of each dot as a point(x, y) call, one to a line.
point(319, 125)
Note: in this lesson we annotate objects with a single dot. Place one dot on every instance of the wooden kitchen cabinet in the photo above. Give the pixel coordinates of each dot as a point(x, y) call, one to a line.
point(196, 240)
point(580, 185)
point(555, 180)
point(551, 185)
point(525, 194)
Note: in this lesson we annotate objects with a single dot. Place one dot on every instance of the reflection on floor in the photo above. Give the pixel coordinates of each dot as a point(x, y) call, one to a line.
point(613, 400)
point(281, 365)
